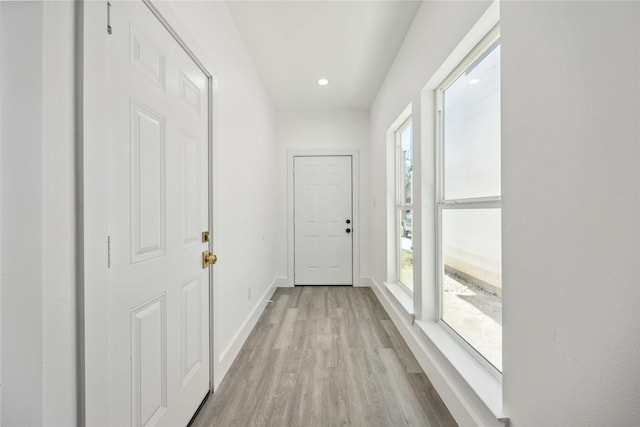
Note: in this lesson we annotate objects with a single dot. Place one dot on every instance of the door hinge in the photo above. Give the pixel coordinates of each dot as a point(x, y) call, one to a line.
point(109, 30)
point(108, 251)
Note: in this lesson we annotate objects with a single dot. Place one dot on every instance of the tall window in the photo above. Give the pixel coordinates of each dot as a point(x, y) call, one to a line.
point(404, 204)
point(469, 202)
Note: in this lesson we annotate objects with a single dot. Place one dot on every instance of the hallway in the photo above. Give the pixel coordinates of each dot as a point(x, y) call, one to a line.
point(98, 178)
point(325, 356)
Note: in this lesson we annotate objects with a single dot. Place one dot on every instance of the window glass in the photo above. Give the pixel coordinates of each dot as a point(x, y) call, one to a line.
point(405, 163)
point(469, 208)
point(472, 278)
point(405, 247)
point(404, 207)
point(472, 130)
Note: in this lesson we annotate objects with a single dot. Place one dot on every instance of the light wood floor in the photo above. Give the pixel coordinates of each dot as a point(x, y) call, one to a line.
point(325, 356)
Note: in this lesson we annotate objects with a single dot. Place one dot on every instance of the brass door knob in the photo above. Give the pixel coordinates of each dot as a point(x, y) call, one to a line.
point(208, 259)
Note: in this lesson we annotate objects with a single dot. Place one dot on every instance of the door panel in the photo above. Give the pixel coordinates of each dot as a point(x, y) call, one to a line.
point(191, 184)
point(149, 360)
point(148, 183)
point(322, 206)
point(191, 328)
point(158, 297)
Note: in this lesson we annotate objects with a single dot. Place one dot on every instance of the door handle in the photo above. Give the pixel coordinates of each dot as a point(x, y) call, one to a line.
point(208, 259)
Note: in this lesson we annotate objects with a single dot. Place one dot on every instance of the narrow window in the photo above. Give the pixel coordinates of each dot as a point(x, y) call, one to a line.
point(404, 204)
point(468, 202)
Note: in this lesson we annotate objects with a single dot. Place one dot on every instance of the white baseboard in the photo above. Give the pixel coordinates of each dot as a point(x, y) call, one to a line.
point(230, 353)
point(283, 282)
point(364, 282)
point(465, 406)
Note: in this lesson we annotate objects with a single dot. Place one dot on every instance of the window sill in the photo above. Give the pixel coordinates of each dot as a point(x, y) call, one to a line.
point(486, 386)
point(402, 295)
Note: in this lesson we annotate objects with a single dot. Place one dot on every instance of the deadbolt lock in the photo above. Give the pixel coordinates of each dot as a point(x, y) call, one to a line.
point(208, 259)
point(205, 236)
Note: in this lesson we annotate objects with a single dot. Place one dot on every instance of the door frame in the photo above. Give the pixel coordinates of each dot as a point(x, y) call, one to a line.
point(355, 206)
point(91, 182)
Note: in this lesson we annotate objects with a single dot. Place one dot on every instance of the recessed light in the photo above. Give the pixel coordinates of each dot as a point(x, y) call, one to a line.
point(474, 81)
point(323, 82)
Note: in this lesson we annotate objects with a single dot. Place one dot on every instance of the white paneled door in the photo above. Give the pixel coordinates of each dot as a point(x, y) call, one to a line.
point(323, 223)
point(158, 297)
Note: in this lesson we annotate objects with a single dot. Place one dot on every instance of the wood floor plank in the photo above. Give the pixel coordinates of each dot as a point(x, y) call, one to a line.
point(404, 354)
point(325, 356)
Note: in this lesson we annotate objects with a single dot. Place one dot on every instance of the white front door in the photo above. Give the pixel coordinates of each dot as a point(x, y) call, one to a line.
point(323, 222)
point(158, 297)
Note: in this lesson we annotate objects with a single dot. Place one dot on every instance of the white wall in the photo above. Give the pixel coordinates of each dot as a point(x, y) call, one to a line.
point(38, 221)
point(21, 201)
point(571, 212)
point(1, 118)
point(244, 175)
point(323, 130)
point(58, 217)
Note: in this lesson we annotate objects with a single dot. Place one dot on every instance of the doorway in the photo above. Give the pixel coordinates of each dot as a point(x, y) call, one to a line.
point(323, 220)
point(146, 194)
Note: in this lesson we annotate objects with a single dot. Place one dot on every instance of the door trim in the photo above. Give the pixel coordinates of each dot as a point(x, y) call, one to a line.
point(92, 220)
point(355, 203)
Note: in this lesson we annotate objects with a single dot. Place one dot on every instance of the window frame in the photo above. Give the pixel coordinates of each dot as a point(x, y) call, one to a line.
point(441, 204)
point(400, 201)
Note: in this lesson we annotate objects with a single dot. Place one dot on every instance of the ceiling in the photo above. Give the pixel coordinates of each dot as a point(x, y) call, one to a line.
point(295, 43)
